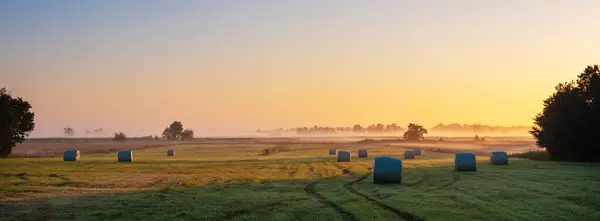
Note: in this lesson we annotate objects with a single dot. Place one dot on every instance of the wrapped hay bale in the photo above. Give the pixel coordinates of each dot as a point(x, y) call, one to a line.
point(362, 153)
point(125, 156)
point(465, 162)
point(71, 155)
point(332, 151)
point(170, 152)
point(387, 170)
point(343, 156)
point(499, 158)
point(418, 152)
point(409, 154)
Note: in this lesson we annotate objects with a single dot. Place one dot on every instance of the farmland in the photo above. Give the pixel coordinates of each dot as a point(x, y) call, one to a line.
point(235, 180)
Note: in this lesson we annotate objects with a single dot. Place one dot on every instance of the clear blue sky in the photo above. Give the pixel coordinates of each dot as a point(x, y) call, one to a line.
point(229, 66)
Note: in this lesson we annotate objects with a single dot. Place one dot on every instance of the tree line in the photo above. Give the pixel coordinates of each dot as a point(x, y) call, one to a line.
point(478, 128)
point(357, 128)
point(394, 128)
point(69, 131)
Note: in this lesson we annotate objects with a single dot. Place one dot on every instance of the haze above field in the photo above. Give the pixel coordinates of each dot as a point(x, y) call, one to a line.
point(230, 67)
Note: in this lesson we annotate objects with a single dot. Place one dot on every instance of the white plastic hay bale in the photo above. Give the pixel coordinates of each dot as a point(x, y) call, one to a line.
point(499, 158)
point(418, 152)
point(409, 154)
point(170, 152)
point(332, 151)
point(362, 153)
point(71, 155)
point(125, 156)
point(465, 162)
point(343, 156)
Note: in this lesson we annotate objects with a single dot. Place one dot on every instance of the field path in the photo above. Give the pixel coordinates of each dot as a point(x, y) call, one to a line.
point(404, 215)
point(311, 189)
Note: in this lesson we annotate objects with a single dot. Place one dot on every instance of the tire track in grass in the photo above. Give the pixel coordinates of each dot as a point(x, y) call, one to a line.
point(455, 178)
point(424, 178)
point(404, 215)
point(233, 214)
point(311, 189)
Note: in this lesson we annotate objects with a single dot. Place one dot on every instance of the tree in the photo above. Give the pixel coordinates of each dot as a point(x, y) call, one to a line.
point(166, 134)
point(120, 136)
point(187, 134)
point(358, 129)
point(69, 131)
point(173, 132)
point(569, 123)
point(415, 132)
point(175, 129)
point(16, 121)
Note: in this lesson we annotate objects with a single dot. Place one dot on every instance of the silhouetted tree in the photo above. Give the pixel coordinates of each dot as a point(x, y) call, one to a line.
point(166, 134)
point(120, 136)
point(569, 124)
point(175, 129)
point(415, 132)
point(187, 134)
point(69, 131)
point(358, 129)
point(173, 132)
point(16, 121)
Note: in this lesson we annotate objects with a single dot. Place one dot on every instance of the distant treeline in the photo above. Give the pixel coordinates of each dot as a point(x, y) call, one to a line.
point(478, 128)
point(357, 128)
point(394, 128)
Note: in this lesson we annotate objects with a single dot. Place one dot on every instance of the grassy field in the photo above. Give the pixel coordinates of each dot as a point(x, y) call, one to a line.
point(229, 181)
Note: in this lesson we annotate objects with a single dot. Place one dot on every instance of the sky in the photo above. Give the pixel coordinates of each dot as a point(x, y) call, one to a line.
point(233, 66)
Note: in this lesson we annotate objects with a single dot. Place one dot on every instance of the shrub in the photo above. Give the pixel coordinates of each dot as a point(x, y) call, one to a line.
point(120, 136)
point(276, 149)
point(533, 155)
point(187, 134)
point(266, 152)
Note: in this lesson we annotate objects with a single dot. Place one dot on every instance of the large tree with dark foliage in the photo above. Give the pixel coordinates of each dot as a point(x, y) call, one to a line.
point(415, 132)
point(173, 132)
point(569, 125)
point(16, 121)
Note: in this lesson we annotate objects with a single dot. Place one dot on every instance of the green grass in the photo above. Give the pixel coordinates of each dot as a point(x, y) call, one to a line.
point(533, 155)
point(236, 182)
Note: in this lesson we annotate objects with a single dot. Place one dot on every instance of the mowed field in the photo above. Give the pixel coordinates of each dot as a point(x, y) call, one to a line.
point(235, 181)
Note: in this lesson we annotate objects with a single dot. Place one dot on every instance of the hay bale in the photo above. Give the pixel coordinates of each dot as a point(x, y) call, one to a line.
point(409, 154)
point(332, 151)
point(125, 156)
point(343, 156)
point(170, 152)
point(418, 152)
point(465, 162)
point(362, 153)
point(71, 155)
point(499, 158)
point(387, 170)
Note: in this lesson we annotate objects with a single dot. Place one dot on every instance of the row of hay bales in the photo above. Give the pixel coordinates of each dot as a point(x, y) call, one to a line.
point(389, 169)
point(345, 156)
point(122, 156)
point(468, 162)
